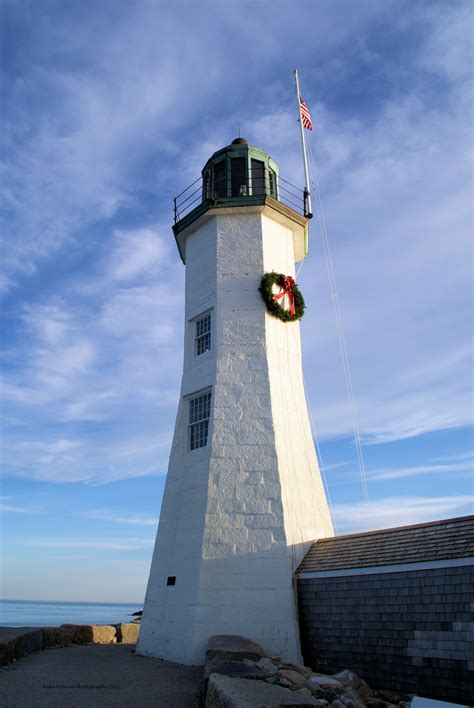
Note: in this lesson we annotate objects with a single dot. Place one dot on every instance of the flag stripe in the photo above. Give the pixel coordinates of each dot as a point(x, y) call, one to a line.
point(305, 116)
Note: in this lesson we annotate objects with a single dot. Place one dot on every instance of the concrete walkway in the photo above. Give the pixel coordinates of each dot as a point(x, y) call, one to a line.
point(93, 676)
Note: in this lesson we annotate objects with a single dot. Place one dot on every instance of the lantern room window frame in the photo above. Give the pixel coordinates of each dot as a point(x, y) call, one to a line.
point(227, 177)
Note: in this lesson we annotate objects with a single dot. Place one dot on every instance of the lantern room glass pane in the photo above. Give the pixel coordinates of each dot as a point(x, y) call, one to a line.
point(258, 177)
point(272, 184)
point(238, 177)
point(220, 179)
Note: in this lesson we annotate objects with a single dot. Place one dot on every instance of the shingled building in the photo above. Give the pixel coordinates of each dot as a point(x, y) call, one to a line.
point(394, 605)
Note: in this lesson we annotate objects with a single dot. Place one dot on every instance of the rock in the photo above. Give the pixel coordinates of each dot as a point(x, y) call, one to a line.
point(365, 692)
point(294, 677)
point(379, 703)
point(332, 694)
point(264, 662)
point(56, 637)
point(230, 692)
point(28, 642)
point(16, 642)
point(304, 692)
point(392, 697)
point(103, 634)
point(284, 682)
point(92, 633)
point(348, 678)
point(267, 666)
point(234, 648)
point(7, 649)
point(233, 668)
point(249, 662)
point(337, 704)
point(325, 682)
point(79, 633)
point(351, 695)
point(305, 670)
point(127, 632)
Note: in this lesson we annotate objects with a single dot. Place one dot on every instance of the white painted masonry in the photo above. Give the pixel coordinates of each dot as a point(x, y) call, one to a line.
point(239, 514)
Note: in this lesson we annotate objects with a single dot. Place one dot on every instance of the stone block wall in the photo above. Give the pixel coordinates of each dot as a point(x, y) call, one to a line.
point(411, 631)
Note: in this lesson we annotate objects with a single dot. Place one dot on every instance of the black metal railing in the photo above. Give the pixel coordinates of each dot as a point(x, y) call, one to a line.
point(223, 186)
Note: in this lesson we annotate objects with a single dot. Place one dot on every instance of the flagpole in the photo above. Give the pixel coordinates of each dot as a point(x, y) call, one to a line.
point(307, 192)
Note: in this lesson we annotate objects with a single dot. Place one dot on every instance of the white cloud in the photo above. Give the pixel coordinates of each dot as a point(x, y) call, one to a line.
point(399, 511)
point(9, 508)
point(138, 252)
point(104, 515)
point(131, 544)
point(450, 469)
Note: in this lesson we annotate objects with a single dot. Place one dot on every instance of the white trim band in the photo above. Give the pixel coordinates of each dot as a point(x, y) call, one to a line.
point(395, 568)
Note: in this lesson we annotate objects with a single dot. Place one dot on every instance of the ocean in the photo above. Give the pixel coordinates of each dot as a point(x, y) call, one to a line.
point(26, 613)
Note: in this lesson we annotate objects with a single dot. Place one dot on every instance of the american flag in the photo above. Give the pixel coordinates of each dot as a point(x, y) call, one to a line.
point(305, 117)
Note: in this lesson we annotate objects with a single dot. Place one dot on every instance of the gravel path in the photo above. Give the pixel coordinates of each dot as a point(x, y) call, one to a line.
point(98, 675)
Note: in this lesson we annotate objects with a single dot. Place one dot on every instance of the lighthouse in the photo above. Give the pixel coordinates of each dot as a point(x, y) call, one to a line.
point(244, 497)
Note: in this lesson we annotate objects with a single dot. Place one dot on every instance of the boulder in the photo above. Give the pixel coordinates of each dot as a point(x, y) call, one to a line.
point(127, 632)
point(231, 692)
point(234, 668)
point(365, 692)
point(350, 695)
point(103, 634)
point(392, 697)
point(28, 642)
point(233, 648)
point(7, 649)
point(325, 682)
point(16, 642)
point(59, 637)
point(79, 633)
point(92, 633)
point(296, 667)
point(348, 678)
point(294, 677)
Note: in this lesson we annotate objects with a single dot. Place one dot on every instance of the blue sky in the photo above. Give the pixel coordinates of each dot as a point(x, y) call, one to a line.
point(112, 108)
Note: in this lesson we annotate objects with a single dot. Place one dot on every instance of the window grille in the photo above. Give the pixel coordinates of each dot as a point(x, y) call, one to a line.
point(203, 335)
point(199, 413)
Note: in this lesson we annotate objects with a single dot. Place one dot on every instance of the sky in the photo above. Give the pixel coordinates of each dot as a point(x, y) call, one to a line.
point(110, 109)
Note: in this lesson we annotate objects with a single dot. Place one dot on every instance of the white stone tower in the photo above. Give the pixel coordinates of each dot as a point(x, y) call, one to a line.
point(243, 497)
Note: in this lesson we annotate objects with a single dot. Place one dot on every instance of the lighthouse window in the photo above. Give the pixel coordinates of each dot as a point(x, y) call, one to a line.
point(238, 177)
point(202, 338)
point(199, 413)
point(258, 177)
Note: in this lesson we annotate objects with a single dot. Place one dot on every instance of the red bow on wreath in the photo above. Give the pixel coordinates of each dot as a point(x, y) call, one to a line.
point(288, 285)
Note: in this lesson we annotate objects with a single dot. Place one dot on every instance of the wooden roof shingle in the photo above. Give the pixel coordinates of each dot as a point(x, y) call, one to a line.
point(435, 540)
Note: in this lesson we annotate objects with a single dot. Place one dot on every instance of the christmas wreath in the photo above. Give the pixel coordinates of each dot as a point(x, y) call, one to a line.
point(289, 288)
